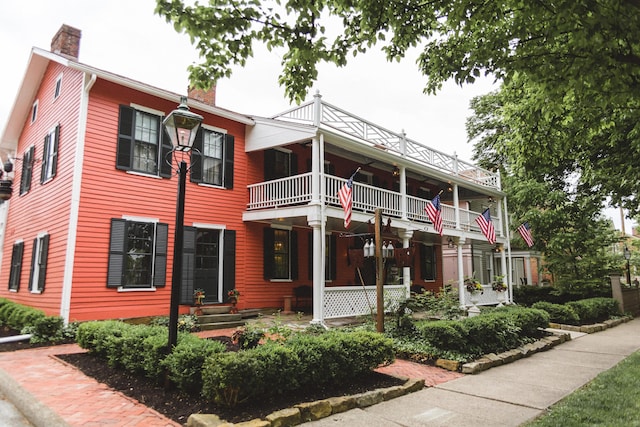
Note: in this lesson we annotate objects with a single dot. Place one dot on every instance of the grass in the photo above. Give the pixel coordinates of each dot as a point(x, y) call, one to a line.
point(611, 399)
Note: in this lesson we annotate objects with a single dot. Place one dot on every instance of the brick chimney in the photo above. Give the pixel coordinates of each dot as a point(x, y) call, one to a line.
point(67, 41)
point(204, 96)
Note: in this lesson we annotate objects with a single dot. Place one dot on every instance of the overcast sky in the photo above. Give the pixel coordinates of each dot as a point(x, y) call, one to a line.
point(127, 38)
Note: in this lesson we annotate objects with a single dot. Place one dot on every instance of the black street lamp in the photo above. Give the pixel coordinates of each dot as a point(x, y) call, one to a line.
point(182, 126)
point(627, 256)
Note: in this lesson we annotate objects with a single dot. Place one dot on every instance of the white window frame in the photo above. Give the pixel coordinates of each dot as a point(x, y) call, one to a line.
point(35, 267)
point(57, 90)
point(51, 154)
point(34, 111)
point(154, 221)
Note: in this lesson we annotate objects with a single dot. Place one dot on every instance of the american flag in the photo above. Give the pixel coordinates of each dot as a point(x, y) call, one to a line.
point(486, 226)
point(345, 195)
point(434, 212)
point(525, 232)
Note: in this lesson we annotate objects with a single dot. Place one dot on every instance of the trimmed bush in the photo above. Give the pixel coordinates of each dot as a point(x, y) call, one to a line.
point(493, 332)
point(184, 363)
point(594, 310)
point(444, 334)
point(559, 313)
point(97, 336)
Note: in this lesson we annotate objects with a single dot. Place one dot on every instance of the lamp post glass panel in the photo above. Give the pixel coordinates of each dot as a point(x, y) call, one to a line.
point(182, 126)
point(627, 256)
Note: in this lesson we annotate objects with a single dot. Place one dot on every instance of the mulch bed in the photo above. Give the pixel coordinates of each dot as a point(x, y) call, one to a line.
point(177, 405)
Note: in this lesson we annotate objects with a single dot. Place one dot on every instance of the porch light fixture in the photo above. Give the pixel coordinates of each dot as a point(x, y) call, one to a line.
point(627, 256)
point(396, 171)
point(182, 126)
point(450, 243)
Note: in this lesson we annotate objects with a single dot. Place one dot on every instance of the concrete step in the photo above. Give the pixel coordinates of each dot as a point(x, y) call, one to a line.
point(220, 325)
point(215, 309)
point(219, 318)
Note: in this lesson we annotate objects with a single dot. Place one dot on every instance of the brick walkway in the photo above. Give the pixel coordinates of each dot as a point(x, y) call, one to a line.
point(82, 401)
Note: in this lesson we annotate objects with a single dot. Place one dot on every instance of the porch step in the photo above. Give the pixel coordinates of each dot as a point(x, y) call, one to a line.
point(213, 318)
point(215, 309)
point(220, 325)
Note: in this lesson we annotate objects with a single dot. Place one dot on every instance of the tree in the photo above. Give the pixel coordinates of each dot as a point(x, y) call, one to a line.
point(581, 61)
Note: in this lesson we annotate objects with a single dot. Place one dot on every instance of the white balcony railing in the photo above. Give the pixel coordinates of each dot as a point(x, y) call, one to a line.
point(396, 144)
point(296, 190)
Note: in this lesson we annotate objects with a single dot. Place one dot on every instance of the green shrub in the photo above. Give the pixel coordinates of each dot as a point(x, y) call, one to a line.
point(492, 332)
point(128, 350)
point(18, 316)
point(46, 329)
point(185, 363)
point(444, 334)
point(96, 336)
point(558, 313)
point(594, 310)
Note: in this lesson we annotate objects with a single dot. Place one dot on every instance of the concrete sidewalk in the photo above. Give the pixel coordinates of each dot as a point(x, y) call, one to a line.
point(508, 395)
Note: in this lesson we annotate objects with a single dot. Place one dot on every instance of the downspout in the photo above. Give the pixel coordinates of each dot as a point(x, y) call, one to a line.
point(67, 281)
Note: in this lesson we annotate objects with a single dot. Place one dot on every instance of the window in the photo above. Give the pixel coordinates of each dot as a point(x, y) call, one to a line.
point(209, 258)
point(280, 254)
point(279, 164)
point(27, 170)
point(16, 266)
point(212, 158)
point(137, 254)
point(427, 262)
point(50, 155)
point(58, 87)
point(34, 111)
point(141, 145)
point(39, 263)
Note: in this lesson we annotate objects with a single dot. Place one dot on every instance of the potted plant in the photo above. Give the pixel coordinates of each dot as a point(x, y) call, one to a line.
point(234, 296)
point(198, 298)
point(499, 288)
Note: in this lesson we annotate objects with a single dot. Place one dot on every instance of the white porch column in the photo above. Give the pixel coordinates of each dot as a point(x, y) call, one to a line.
point(503, 223)
point(509, 271)
point(456, 206)
point(406, 236)
point(315, 220)
point(503, 268)
point(460, 260)
point(527, 269)
point(315, 171)
point(403, 192)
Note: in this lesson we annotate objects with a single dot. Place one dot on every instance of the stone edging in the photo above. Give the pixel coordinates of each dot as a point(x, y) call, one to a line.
point(311, 411)
point(490, 360)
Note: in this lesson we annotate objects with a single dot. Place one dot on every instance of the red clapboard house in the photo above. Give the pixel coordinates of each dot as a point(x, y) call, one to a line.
point(88, 231)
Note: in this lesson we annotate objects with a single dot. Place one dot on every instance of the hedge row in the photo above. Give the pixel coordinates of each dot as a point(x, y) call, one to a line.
point(301, 361)
point(200, 365)
point(492, 331)
point(585, 311)
point(29, 320)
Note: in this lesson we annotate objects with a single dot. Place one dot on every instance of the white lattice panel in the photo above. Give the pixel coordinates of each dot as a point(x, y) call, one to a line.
point(346, 301)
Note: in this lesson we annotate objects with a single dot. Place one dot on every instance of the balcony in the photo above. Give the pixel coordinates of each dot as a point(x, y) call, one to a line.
point(296, 190)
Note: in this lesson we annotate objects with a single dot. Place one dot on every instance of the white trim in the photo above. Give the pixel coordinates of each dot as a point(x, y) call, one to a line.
point(140, 219)
point(282, 227)
point(74, 208)
point(213, 128)
point(284, 150)
point(123, 289)
point(147, 175)
point(209, 226)
point(34, 111)
point(147, 110)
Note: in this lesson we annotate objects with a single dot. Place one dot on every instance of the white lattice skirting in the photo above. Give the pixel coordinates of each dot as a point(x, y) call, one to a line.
point(345, 301)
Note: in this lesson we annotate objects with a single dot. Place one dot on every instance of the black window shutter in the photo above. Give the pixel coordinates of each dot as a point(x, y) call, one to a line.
point(27, 170)
point(45, 158)
point(160, 261)
point(165, 160)
point(294, 255)
point(268, 253)
point(43, 262)
point(293, 164)
point(197, 165)
point(310, 255)
point(117, 248)
point(423, 257)
point(269, 162)
point(228, 160)
point(16, 266)
point(188, 265)
point(229, 262)
point(34, 258)
point(54, 158)
point(124, 153)
point(333, 241)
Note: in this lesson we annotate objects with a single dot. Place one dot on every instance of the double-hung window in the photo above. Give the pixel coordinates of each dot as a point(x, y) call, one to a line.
point(137, 254)
point(38, 271)
point(50, 155)
point(279, 163)
point(427, 263)
point(27, 170)
point(280, 254)
point(142, 146)
point(16, 266)
point(212, 157)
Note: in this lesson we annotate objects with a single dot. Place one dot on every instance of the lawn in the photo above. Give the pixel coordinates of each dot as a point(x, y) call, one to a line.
point(611, 399)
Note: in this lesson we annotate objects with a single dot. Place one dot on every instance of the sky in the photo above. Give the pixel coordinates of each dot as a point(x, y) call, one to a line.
point(127, 38)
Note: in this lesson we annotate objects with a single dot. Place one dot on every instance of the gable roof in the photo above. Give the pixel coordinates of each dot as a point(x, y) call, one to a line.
point(39, 59)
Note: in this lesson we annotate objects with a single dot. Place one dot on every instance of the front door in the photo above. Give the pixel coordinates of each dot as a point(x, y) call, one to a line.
point(207, 264)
